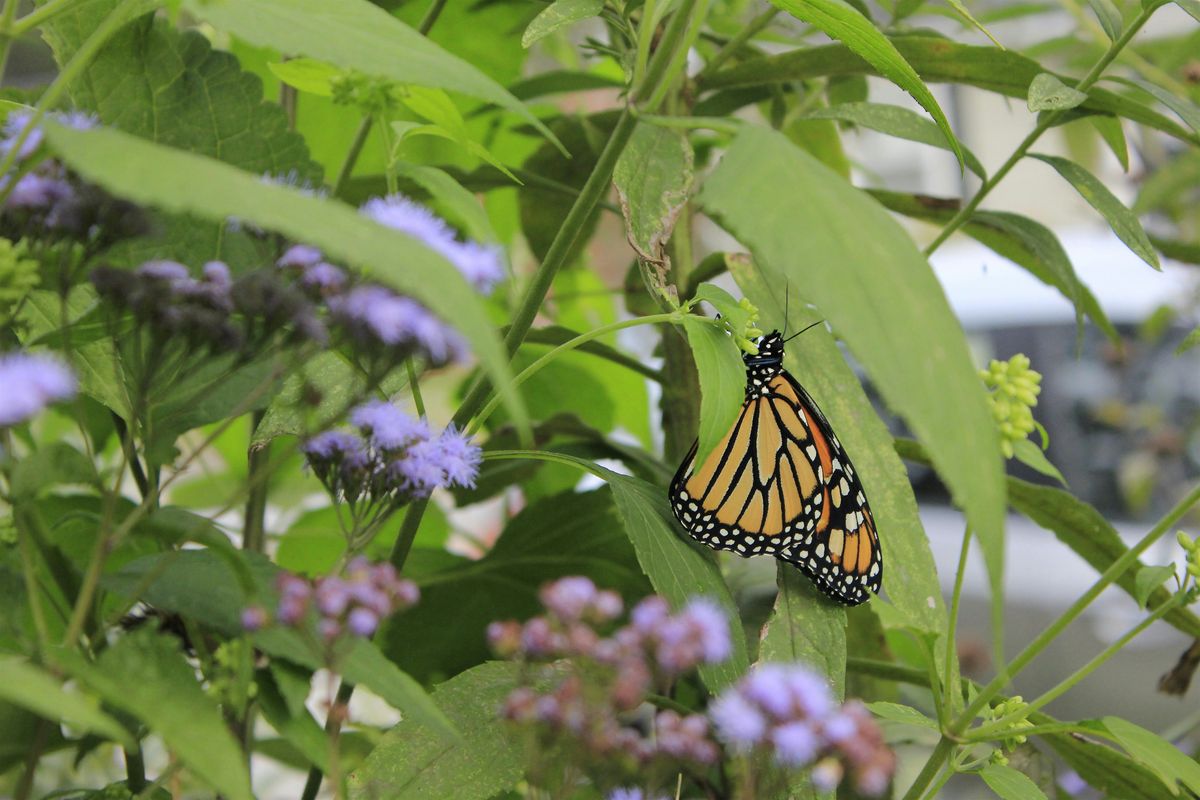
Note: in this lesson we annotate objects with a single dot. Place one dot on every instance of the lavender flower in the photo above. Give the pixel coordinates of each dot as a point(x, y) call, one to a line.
point(255, 618)
point(299, 256)
point(373, 313)
point(740, 723)
point(31, 382)
point(461, 459)
point(480, 264)
point(17, 121)
point(387, 427)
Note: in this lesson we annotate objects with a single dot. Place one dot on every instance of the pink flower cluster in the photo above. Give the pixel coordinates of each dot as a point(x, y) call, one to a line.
point(596, 701)
point(354, 603)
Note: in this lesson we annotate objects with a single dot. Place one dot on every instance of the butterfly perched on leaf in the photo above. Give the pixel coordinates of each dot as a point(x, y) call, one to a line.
point(780, 484)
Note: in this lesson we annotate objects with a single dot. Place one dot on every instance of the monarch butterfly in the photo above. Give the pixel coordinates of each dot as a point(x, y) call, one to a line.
point(779, 483)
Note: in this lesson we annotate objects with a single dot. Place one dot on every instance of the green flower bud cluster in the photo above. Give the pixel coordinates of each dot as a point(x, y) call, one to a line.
point(1013, 737)
point(1014, 390)
point(374, 96)
point(232, 682)
point(18, 275)
point(1192, 548)
point(749, 330)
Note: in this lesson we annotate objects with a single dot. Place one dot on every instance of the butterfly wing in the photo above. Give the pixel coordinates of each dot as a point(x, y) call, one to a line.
point(779, 483)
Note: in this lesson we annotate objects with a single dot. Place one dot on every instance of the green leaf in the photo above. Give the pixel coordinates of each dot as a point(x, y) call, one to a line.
point(568, 534)
point(1192, 7)
point(1110, 130)
point(722, 382)
point(559, 14)
point(357, 35)
point(51, 465)
point(32, 688)
point(653, 177)
point(961, 8)
point(1032, 456)
point(1163, 758)
point(806, 627)
point(457, 204)
point(679, 570)
point(1123, 222)
point(1109, 16)
point(1186, 110)
point(1048, 93)
point(307, 75)
point(864, 274)
point(841, 21)
point(1189, 341)
point(182, 182)
point(411, 763)
point(905, 715)
point(895, 121)
point(1107, 769)
point(294, 722)
point(936, 60)
point(1085, 530)
point(1010, 784)
point(1148, 579)
point(171, 702)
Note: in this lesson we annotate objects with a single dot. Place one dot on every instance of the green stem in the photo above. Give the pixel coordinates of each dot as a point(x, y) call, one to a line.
point(135, 769)
point(31, 588)
point(431, 17)
point(38, 16)
point(69, 72)
point(694, 13)
point(416, 387)
point(1115, 570)
point(1046, 121)
point(719, 124)
point(645, 38)
point(356, 146)
point(313, 783)
point(933, 765)
point(952, 630)
point(657, 78)
point(257, 459)
point(740, 38)
point(566, 347)
point(943, 778)
point(7, 33)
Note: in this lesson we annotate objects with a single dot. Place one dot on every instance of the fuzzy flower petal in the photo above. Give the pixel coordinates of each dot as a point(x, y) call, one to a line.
point(31, 382)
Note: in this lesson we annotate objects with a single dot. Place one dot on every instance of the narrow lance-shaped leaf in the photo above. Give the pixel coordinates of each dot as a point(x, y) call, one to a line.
point(1187, 111)
point(1171, 765)
point(810, 229)
point(182, 182)
point(843, 22)
point(722, 383)
point(1010, 784)
point(806, 627)
point(31, 687)
point(559, 14)
point(1123, 222)
point(1109, 16)
point(358, 35)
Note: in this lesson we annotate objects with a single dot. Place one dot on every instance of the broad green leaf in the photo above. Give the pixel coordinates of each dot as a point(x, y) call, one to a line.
point(307, 74)
point(1192, 7)
point(1148, 579)
point(1010, 784)
point(841, 21)
point(561, 82)
point(183, 182)
point(1109, 17)
point(294, 723)
point(864, 274)
point(51, 465)
point(806, 627)
point(30, 687)
point(313, 543)
point(1123, 222)
point(1163, 758)
point(679, 570)
point(653, 177)
point(936, 60)
point(905, 715)
point(458, 134)
point(722, 383)
point(559, 14)
point(458, 204)
point(568, 534)
point(170, 701)
point(1085, 530)
point(357, 35)
point(1110, 130)
point(895, 121)
point(1184, 108)
point(1032, 456)
point(412, 763)
point(1048, 93)
point(1106, 769)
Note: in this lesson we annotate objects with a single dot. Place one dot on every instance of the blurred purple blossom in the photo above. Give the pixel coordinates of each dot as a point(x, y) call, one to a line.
point(17, 121)
point(386, 426)
point(372, 312)
point(31, 383)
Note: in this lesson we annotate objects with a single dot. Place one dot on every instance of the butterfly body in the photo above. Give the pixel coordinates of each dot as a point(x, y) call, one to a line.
point(780, 484)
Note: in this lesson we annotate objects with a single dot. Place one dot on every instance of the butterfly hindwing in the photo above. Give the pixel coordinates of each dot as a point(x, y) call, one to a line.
point(779, 483)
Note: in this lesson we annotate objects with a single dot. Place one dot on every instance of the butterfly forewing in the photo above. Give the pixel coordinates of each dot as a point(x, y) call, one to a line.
point(781, 484)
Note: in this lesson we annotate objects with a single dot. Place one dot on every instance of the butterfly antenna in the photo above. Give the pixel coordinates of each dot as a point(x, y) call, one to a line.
point(787, 295)
point(806, 328)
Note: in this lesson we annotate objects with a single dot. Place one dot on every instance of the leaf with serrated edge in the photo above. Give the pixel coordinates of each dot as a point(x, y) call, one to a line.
point(1010, 784)
point(182, 182)
point(906, 715)
point(722, 383)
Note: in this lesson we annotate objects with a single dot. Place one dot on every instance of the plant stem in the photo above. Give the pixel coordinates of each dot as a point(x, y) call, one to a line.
point(7, 34)
point(431, 17)
point(135, 769)
point(656, 77)
point(566, 347)
point(332, 724)
point(1115, 570)
point(415, 386)
point(257, 459)
point(952, 630)
point(1046, 121)
point(39, 16)
point(740, 38)
point(356, 146)
point(938, 757)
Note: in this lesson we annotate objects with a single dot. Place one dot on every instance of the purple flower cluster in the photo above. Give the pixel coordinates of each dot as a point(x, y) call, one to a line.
point(213, 311)
point(609, 677)
point(354, 603)
point(392, 456)
point(373, 315)
point(789, 712)
point(482, 265)
point(31, 382)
